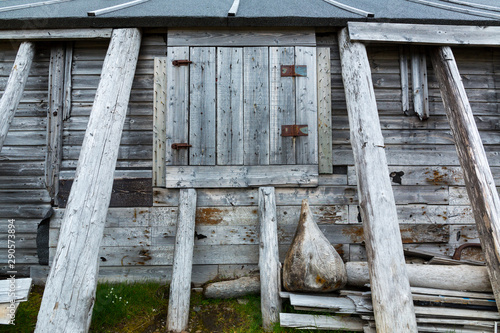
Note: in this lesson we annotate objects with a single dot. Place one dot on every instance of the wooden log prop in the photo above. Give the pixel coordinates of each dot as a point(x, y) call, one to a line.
point(15, 87)
point(311, 263)
point(246, 285)
point(477, 174)
point(180, 287)
point(451, 277)
point(269, 262)
point(391, 293)
point(69, 294)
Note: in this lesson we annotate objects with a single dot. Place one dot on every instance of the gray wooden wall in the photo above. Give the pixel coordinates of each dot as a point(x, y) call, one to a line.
point(138, 242)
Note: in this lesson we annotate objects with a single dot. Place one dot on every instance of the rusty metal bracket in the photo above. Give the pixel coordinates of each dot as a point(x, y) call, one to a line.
point(180, 145)
point(294, 130)
point(293, 70)
point(458, 252)
point(181, 62)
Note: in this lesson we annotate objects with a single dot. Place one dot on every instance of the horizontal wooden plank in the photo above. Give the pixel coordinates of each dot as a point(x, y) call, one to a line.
point(22, 241)
point(24, 196)
point(459, 196)
point(132, 192)
point(322, 195)
point(70, 174)
point(131, 124)
point(21, 182)
point(241, 37)
point(24, 211)
point(125, 152)
point(242, 176)
point(22, 289)
point(200, 274)
point(315, 322)
point(55, 34)
point(424, 34)
point(115, 237)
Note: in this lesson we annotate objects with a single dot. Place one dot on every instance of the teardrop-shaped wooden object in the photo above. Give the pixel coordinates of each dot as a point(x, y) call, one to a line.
point(312, 264)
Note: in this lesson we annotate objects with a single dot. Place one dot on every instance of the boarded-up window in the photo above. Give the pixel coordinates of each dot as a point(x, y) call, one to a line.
point(224, 112)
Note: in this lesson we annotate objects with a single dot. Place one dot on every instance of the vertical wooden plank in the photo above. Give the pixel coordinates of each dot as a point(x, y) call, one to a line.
point(180, 287)
point(403, 65)
point(229, 106)
point(68, 63)
point(282, 105)
point(177, 123)
point(269, 263)
point(256, 106)
point(69, 294)
point(15, 87)
point(419, 83)
point(325, 154)
point(307, 106)
point(55, 120)
point(202, 106)
point(479, 180)
point(391, 295)
point(159, 120)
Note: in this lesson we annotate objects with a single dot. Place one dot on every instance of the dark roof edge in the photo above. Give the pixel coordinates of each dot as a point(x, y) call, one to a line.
point(184, 22)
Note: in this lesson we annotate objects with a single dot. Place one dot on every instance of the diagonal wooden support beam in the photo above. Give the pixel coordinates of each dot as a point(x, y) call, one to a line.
point(478, 178)
point(69, 294)
point(15, 87)
point(391, 294)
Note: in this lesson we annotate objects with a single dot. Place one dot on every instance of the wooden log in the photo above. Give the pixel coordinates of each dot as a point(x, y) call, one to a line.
point(452, 277)
point(55, 120)
point(180, 288)
point(478, 178)
point(15, 87)
point(388, 276)
point(70, 291)
point(269, 258)
point(234, 288)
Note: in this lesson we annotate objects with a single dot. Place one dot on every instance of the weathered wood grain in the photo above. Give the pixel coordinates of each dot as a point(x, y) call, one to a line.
point(242, 176)
point(306, 104)
point(325, 159)
point(478, 178)
point(241, 37)
point(256, 106)
point(202, 112)
point(388, 275)
point(89, 198)
point(230, 106)
point(55, 120)
point(177, 106)
point(423, 34)
point(68, 65)
point(159, 121)
point(180, 287)
point(305, 321)
point(403, 64)
point(419, 83)
point(55, 34)
point(282, 105)
point(15, 86)
point(269, 263)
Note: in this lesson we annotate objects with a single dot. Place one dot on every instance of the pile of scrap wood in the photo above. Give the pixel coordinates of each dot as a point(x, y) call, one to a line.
point(437, 310)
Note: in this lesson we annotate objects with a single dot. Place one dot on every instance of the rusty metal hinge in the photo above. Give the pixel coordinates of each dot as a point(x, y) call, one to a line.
point(294, 130)
point(293, 70)
point(181, 62)
point(180, 145)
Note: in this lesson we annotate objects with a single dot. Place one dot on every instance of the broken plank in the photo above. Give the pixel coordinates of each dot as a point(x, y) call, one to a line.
point(19, 293)
point(331, 304)
point(452, 293)
point(303, 321)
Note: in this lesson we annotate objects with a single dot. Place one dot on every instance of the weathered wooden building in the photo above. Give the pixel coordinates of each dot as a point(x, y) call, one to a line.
point(206, 110)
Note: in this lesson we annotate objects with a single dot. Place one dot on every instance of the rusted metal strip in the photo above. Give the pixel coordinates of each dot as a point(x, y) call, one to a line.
point(294, 130)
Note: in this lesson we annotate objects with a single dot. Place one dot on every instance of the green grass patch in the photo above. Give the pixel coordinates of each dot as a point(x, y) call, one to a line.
point(142, 308)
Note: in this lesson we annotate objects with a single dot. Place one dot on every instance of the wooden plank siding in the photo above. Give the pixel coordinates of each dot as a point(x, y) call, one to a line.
point(423, 165)
point(24, 197)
